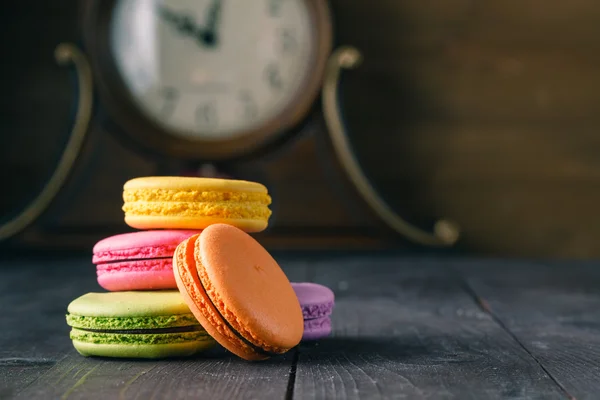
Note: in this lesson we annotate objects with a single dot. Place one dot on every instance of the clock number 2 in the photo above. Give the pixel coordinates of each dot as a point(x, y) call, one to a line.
point(206, 115)
point(288, 41)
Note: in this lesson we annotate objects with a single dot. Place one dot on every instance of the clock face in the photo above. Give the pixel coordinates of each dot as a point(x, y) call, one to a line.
point(213, 69)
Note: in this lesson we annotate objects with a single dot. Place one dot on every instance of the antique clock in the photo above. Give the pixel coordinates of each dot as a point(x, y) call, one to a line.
point(207, 79)
point(213, 81)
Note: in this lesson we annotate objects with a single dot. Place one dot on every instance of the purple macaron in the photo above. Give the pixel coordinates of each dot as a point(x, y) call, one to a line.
point(317, 303)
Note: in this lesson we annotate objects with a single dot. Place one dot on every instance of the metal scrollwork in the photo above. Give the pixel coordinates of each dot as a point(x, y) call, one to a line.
point(445, 233)
point(65, 54)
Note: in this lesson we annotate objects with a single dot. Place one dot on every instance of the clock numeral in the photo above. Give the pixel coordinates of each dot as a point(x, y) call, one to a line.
point(288, 41)
point(250, 107)
point(206, 115)
point(170, 97)
point(273, 76)
point(274, 7)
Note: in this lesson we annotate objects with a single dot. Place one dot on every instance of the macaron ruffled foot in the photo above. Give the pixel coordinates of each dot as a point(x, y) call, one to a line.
point(317, 302)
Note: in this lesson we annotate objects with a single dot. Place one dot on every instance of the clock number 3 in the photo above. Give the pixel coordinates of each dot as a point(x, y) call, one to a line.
point(206, 115)
point(273, 76)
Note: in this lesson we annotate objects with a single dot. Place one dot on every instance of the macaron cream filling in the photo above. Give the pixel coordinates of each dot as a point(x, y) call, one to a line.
point(140, 253)
point(147, 265)
point(116, 323)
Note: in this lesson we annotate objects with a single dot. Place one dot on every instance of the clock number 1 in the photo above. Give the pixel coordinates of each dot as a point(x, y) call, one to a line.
point(206, 115)
point(274, 7)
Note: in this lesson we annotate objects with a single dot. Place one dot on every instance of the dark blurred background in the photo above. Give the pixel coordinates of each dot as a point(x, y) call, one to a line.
point(484, 112)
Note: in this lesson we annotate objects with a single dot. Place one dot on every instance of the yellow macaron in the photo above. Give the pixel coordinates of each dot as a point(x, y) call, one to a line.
point(170, 202)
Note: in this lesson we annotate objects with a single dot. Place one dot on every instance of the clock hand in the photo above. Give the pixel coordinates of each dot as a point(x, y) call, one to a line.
point(209, 36)
point(185, 24)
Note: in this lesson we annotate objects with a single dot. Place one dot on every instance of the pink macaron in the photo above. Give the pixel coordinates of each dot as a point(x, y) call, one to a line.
point(139, 260)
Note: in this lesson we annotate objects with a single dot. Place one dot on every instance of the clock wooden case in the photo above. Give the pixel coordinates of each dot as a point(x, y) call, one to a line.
point(444, 97)
point(206, 61)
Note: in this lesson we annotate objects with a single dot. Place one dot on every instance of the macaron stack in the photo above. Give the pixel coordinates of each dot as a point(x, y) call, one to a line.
point(168, 210)
point(192, 276)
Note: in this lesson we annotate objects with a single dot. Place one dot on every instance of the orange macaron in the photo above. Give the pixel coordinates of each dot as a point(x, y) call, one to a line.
point(238, 292)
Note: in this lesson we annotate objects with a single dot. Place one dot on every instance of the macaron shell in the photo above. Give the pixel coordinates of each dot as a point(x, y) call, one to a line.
point(129, 304)
point(198, 222)
point(253, 293)
point(136, 278)
point(139, 245)
point(151, 351)
point(187, 183)
point(186, 276)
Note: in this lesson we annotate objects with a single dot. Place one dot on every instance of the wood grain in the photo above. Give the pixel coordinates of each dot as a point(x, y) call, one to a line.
point(407, 329)
point(34, 295)
point(552, 311)
point(220, 377)
point(403, 328)
point(37, 359)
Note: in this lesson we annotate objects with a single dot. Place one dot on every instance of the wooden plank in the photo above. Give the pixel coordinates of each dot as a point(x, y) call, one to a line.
point(37, 359)
point(407, 329)
point(34, 295)
point(219, 376)
point(552, 309)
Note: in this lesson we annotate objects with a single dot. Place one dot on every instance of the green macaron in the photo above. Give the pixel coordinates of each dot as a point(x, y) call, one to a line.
point(140, 324)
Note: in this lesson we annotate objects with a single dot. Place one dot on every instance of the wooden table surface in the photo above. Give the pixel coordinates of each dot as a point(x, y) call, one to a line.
point(414, 328)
